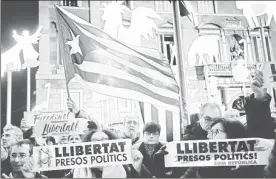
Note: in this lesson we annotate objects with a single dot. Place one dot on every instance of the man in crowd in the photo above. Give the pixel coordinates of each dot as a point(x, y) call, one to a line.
point(150, 145)
point(131, 127)
point(22, 161)
point(10, 136)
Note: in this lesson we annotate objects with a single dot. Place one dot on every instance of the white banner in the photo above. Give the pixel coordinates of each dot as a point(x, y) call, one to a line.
point(79, 155)
point(230, 152)
point(56, 123)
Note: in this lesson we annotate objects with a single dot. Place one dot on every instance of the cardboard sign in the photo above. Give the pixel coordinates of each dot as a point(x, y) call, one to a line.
point(269, 74)
point(79, 155)
point(230, 152)
point(56, 123)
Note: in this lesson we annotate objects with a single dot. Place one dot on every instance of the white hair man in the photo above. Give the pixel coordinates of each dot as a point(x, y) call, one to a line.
point(10, 136)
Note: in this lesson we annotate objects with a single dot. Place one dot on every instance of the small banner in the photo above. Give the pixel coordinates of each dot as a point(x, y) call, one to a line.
point(230, 152)
point(56, 123)
point(79, 155)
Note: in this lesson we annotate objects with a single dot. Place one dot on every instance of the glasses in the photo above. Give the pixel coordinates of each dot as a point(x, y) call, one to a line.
point(20, 156)
point(214, 132)
point(154, 133)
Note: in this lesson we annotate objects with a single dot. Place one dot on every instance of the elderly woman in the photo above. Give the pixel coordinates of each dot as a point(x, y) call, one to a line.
point(113, 171)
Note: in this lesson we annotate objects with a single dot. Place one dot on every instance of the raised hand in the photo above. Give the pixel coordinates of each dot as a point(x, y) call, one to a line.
point(257, 83)
point(137, 158)
point(72, 106)
point(27, 169)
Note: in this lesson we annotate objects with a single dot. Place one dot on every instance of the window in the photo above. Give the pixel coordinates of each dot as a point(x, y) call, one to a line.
point(73, 3)
point(163, 6)
point(167, 47)
point(208, 7)
point(257, 47)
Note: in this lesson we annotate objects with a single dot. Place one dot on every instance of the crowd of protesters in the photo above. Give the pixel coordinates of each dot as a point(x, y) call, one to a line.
point(148, 153)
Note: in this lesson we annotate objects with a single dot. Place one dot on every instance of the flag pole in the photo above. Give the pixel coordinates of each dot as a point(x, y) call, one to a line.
point(28, 88)
point(9, 91)
point(180, 61)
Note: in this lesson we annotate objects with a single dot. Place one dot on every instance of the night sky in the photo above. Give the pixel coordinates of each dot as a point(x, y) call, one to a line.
point(19, 16)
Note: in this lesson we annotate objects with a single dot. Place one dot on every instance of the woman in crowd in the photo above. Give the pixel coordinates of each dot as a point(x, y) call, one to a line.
point(113, 171)
point(224, 129)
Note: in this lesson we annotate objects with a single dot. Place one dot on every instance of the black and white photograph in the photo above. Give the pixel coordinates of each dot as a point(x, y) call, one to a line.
point(138, 89)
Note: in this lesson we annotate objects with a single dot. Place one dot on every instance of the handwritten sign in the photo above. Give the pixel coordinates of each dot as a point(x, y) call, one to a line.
point(79, 155)
point(56, 123)
point(231, 152)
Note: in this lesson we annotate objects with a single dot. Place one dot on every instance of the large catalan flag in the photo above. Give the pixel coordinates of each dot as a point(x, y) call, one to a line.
point(107, 66)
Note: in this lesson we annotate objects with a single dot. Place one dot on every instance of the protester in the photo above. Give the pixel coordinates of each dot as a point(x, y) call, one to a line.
point(74, 139)
point(50, 140)
point(114, 171)
point(11, 134)
point(221, 129)
point(150, 145)
point(131, 127)
point(22, 161)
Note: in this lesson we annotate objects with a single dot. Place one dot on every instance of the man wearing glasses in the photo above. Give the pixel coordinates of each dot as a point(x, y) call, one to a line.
point(22, 161)
point(131, 127)
point(150, 146)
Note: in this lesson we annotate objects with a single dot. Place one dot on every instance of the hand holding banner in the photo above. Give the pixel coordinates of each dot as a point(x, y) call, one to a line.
point(269, 73)
point(228, 152)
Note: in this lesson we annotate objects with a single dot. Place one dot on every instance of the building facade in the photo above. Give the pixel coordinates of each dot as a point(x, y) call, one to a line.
point(208, 65)
point(212, 47)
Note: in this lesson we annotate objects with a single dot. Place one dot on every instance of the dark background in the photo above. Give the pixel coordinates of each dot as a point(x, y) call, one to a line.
point(19, 16)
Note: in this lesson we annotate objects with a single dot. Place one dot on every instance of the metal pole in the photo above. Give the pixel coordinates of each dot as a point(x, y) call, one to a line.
point(180, 60)
point(28, 89)
point(9, 91)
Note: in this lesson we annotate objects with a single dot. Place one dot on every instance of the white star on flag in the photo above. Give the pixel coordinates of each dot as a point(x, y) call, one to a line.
point(74, 43)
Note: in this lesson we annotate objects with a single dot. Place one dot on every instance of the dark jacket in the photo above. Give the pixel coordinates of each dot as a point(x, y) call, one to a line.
point(37, 175)
point(194, 132)
point(258, 116)
point(148, 159)
point(270, 169)
point(6, 166)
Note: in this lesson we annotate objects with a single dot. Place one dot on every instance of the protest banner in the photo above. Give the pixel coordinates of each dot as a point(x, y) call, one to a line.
point(227, 152)
point(79, 155)
point(56, 123)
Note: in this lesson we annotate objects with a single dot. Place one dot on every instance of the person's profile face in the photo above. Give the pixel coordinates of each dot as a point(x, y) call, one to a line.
point(8, 139)
point(19, 156)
